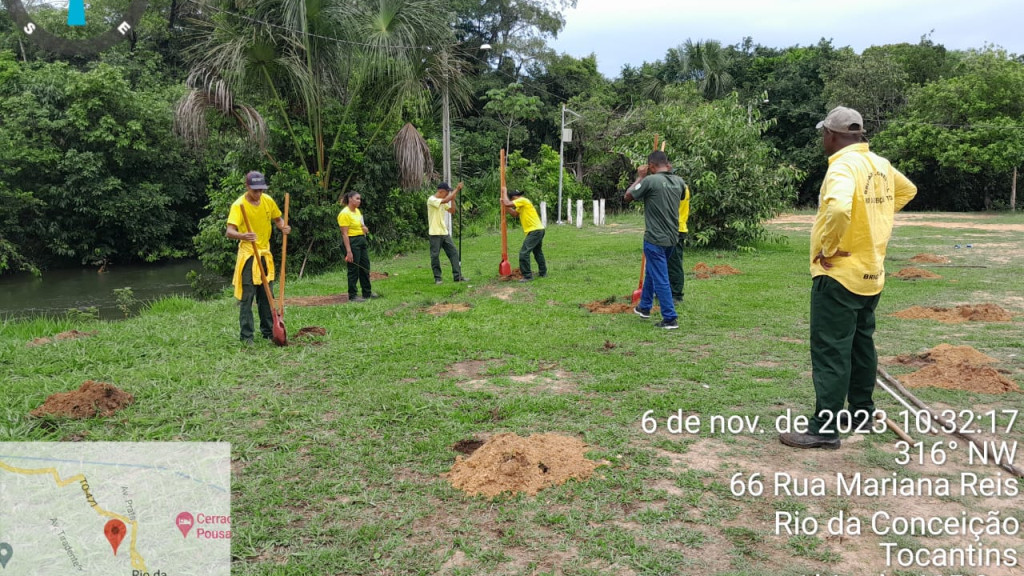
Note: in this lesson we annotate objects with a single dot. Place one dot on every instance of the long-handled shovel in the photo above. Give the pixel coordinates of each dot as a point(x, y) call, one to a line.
point(280, 337)
point(504, 269)
point(284, 256)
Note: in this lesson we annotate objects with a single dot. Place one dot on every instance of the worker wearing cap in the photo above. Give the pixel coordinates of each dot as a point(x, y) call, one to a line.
point(856, 205)
point(437, 205)
point(261, 211)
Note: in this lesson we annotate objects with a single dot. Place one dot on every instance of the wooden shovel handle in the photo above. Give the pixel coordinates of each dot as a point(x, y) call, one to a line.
point(284, 255)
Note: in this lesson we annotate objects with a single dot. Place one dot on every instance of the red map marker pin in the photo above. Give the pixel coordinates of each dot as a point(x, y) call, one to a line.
point(184, 523)
point(115, 531)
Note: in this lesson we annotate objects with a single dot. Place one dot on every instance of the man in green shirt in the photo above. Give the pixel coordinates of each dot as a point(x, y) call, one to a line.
point(661, 192)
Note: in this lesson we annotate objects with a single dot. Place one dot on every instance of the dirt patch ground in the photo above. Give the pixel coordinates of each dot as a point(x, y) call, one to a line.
point(91, 399)
point(329, 300)
point(311, 331)
point(442, 309)
point(926, 258)
point(69, 335)
point(956, 368)
point(703, 271)
point(609, 305)
point(511, 463)
point(548, 379)
point(516, 275)
point(963, 313)
point(915, 274)
point(378, 275)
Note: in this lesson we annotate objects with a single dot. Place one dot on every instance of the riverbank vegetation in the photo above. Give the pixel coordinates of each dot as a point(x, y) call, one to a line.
point(134, 156)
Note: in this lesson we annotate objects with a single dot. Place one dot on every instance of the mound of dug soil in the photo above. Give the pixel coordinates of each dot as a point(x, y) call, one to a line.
point(378, 275)
point(91, 399)
point(69, 335)
point(510, 463)
point(608, 306)
point(915, 274)
point(704, 271)
point(964, 313)
point(926, 258)
point(956, 368)
point(516, 275)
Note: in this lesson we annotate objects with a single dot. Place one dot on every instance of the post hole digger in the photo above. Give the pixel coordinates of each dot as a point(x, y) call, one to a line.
point(280, 337)
point(504, 268)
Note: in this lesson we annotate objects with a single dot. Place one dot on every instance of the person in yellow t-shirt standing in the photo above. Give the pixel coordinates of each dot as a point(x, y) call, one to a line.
point(261, 210)
point(856, 206)
point(519, 205)
point(437, 205)
point(676, 279)
point(357, 249)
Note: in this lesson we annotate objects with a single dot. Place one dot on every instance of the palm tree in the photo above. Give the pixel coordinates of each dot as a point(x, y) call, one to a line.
point(707, 63)
point(302, 55)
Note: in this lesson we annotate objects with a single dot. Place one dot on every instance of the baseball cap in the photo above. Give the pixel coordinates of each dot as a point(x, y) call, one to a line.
point(843, 120)
point(444, 186)
point(255, 180)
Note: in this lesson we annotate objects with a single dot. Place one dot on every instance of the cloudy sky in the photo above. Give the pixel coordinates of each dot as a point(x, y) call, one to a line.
point(633, 31)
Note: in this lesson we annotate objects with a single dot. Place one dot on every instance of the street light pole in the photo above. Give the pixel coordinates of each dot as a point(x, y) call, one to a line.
point(561, 153)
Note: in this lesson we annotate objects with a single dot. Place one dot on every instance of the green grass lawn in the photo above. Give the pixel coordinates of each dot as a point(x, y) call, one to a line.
point(338, 444)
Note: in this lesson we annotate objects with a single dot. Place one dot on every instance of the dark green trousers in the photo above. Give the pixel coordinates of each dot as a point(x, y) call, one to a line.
point(359, 268)
point(533, 244)
point(843, 357)
point(676, 279)
point(249, 292)
point(444, 242)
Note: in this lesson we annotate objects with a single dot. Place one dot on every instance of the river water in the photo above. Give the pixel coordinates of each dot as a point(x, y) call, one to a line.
point(22, 295)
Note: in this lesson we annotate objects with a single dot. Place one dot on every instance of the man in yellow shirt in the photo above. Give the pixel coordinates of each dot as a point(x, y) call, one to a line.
point(437, 205)
point(261, 210)
point(676, 279)
point(856, 205)
point(519, 205)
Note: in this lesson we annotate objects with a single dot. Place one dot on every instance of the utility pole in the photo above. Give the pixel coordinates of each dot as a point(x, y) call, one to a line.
point(565, 136)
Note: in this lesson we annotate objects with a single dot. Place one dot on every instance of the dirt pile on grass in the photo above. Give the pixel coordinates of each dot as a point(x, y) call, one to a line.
point(69, 335)
point(379, 275)
point(516, 275)
point(926, 258)
point(703, 271)
point(442, 309)
point(91, 399)
point(915, 274)
point(956, 368)
point(608, 306)
point(511, 463)
point(964, 313)
point(328, 300)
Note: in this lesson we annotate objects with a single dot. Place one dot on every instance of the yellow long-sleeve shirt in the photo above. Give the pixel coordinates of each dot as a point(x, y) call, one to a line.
point(858, 199)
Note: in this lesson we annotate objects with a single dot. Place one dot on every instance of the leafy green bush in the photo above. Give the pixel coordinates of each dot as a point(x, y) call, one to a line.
point(735, 177)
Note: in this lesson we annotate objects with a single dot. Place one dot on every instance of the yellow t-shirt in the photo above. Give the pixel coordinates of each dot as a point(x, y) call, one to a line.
point(858, 200)
point(528, 216)
point(684, 210)
point(435, 216)
point(354, 221)
point(261, 218)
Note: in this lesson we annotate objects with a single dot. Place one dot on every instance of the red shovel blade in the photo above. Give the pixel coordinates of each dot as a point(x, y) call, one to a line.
point(280, 337)
point(505, 269)
point(636, 295)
